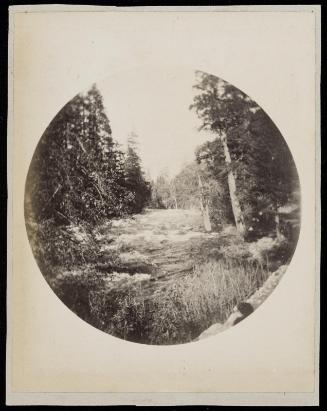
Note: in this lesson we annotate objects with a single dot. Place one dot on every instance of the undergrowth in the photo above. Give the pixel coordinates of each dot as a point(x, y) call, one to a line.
point(173, 314)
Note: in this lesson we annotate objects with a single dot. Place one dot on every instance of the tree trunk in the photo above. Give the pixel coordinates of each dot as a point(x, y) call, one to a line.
point(204, 208)
point(172, 193)
point(277, 222)
point(175, 200)
point(237, 212)
point(206, 218)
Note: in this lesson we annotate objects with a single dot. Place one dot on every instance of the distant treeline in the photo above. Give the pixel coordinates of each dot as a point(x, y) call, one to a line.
point(78, 172)
point(244, 175)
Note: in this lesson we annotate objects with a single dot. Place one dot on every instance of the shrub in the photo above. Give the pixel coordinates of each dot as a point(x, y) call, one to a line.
point(61, 245)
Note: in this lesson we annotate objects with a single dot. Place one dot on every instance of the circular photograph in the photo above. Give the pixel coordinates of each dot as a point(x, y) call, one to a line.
point(162, 205)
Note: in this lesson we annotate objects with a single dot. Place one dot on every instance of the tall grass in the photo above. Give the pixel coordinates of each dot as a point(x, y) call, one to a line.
point(208, 295)
point(179, 312)
point(76, 265)
point(175, 312)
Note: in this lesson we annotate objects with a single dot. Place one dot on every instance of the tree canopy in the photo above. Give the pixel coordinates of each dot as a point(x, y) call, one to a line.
point(78, 171)
point(248, 148)
point(139, 189)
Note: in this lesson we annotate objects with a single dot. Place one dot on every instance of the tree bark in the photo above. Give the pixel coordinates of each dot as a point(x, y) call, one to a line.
point(277, 222)
point(206, 218)
point(204, 208)
point(237, 212)
point(172, 190)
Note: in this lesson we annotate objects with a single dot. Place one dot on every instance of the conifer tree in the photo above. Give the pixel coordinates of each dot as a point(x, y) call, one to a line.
point(135, 181)
point(221, 108)
point(77, 171)
point(248, 155)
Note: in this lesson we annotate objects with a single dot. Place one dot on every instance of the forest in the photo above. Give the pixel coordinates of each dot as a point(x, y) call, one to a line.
point(159, 260)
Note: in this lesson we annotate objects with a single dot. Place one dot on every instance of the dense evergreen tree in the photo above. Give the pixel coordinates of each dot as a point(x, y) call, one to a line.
point(222, 108)
point(77, 171)
point(138, 188)
point(248, 155)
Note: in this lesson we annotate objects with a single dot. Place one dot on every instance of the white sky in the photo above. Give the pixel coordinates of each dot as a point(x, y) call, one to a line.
point(155, 105)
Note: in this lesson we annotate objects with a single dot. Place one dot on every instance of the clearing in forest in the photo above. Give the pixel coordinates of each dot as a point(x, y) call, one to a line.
point(156, 246)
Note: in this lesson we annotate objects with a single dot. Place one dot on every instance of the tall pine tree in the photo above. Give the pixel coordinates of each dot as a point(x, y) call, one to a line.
point(249, 155)
point(135, 182)
point(77, 172)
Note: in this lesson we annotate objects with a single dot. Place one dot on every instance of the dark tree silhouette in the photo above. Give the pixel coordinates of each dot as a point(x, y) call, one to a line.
point(248, 155)
point(139, 189)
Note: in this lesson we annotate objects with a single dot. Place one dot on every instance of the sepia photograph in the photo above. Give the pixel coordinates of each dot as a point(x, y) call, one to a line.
point(162, 206)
